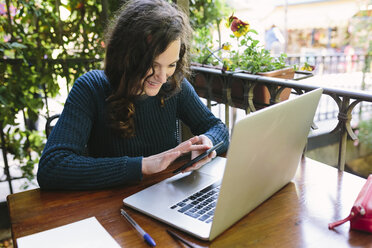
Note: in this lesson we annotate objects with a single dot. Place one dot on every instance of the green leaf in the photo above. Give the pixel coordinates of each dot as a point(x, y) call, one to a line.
point(17, 45)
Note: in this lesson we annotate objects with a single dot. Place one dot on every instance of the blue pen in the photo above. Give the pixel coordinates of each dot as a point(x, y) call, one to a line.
point(145, 235)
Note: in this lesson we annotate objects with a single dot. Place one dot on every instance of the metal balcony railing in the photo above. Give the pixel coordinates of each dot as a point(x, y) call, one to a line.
point(236, 90)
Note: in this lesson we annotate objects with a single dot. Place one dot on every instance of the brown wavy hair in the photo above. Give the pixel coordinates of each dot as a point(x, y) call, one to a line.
point(141, 31)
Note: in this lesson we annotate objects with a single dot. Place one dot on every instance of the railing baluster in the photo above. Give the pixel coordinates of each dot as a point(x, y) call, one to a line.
point(248, 97)
point(343, 126)
point(227, 99)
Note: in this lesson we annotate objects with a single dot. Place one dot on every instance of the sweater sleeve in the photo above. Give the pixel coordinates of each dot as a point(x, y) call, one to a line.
point(63, 164)
point(200, 119)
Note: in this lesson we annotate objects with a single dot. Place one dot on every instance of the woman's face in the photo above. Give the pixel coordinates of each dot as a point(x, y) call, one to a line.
point(164, 66)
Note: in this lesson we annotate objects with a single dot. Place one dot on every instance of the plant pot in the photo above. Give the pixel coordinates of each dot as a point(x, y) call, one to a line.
point(261, 93)
point(216, 93)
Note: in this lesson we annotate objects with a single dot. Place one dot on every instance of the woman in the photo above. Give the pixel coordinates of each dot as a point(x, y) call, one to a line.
point(125, 117)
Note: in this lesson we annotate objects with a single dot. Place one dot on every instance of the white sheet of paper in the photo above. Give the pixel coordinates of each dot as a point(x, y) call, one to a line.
point(87, 233)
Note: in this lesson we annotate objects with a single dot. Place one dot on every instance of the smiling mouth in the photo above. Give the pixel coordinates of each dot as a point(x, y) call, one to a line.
point(153, 83)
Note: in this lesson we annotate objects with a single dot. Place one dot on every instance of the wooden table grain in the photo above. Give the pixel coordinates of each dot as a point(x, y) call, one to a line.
point(296, 216)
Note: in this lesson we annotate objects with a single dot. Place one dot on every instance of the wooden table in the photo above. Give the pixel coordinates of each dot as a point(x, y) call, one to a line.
point(296, 216)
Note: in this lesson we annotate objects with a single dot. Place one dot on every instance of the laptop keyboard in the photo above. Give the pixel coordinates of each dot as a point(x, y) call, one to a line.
point(200, 205)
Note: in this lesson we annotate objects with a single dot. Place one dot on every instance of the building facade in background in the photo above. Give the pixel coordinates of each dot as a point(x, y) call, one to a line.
point(309, 26)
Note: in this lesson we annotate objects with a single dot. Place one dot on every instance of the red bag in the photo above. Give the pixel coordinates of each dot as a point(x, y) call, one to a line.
point(361, 213)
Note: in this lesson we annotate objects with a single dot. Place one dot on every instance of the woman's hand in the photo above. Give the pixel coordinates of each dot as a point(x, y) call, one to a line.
point(205, 141)
point(159, 162)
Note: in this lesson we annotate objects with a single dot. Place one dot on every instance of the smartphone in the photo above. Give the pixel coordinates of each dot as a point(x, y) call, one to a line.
point(198, 158)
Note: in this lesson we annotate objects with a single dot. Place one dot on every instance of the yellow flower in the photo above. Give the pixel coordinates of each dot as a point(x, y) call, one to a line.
point(237, 26)
point(226, 46)
point(241, 31)
point(307, 67)
point(227, 63)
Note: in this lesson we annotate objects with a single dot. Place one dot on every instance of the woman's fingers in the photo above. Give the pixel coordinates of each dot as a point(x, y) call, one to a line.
point(200, 163)
point(196, 145)
point(200, 148)
point(207, 143)
point(192, 144)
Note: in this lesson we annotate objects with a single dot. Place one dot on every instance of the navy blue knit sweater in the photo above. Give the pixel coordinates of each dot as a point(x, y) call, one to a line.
point(114, 160)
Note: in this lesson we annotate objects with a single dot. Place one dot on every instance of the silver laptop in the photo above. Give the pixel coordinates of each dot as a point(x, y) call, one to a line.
point(264, 153)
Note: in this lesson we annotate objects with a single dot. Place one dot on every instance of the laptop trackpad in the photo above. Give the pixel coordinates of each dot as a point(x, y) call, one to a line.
point(169, 191)
point(177, 188)
point(188, 181)
point(196, 180)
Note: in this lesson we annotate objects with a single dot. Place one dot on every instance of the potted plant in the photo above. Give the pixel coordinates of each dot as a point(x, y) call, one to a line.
point(249, 57)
